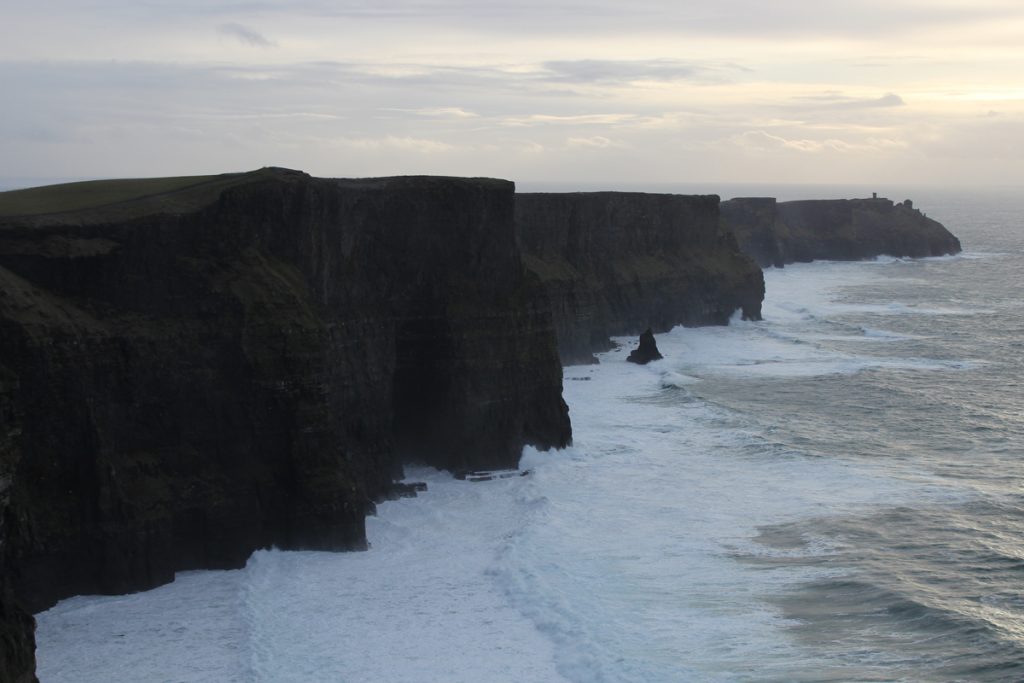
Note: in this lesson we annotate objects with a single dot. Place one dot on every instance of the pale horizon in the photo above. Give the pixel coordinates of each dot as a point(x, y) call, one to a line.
point(902, 93)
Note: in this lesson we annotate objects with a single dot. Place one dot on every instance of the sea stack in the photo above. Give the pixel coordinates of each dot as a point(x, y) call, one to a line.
point(647, 351)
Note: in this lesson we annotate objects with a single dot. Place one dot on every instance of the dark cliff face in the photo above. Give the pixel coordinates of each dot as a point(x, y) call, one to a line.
point(616, 263)
point(754, 222)
point(840, 230)
point(17, 627)
point(188, 376)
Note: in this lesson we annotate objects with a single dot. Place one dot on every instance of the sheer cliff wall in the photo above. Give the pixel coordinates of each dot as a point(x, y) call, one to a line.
point(189, 374)
point(616, 263)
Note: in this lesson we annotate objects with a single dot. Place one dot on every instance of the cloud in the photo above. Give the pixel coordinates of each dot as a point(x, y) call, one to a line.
point(553, 78)
point(442, 112)
point(785, 18)
point(999, 139)
point(245, 35)
point(612, 71)
point(595, 141)
point(452, 93)
point(766, 142)
point(836, 100)
point(762, 141)
point(405, 144)
point(886, 100)
point(569, 119)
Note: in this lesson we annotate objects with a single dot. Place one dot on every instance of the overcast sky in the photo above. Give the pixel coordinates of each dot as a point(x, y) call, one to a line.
point(865, 91)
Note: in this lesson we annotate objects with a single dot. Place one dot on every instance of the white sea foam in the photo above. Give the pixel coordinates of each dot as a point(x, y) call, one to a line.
point(190, 630)
point(678, 380)
point(762, 351)
point(420, 606)
point(803, 311)
point(972, 256)
point(629, 565)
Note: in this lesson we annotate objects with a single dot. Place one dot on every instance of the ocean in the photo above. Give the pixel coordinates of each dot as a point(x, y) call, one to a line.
point(835, 493)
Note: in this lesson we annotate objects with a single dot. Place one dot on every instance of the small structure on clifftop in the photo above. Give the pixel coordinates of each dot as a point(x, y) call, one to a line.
point(647, 351)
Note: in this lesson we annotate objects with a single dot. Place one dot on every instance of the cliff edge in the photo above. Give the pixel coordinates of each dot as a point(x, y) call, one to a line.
point(776, 233)
point(615, 263)
point(194, 368)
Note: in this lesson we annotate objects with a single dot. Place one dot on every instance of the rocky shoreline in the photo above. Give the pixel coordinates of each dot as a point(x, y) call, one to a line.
point(191, 369)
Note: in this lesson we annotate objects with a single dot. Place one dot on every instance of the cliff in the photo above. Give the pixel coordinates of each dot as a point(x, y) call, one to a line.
point(614, 263)
point(194, 368)
point(775, 233)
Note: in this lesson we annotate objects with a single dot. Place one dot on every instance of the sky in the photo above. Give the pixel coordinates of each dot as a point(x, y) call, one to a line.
point(648, 91)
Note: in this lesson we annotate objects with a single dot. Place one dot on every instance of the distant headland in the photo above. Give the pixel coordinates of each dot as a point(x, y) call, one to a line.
point(776, 233)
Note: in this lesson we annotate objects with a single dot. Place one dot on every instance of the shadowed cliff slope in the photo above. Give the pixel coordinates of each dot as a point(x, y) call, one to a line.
point(615, 263)
point(775, 233)
point(194, 368)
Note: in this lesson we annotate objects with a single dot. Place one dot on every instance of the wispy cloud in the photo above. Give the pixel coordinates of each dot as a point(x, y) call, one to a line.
point(594, 141)
point(569, 119)
point(763, 141)
point(621, 71)
point(751, 18)
point(837, 100)
point(440, 112)
point(245, 35)
point(408, 144)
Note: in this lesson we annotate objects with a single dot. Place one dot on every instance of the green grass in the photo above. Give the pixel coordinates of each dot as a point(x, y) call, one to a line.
point(121, 199)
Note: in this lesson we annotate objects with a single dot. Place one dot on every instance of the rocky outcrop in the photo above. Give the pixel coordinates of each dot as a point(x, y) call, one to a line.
point(616, 263)
point(194, 368)
point(775, 233)
point(647, 351)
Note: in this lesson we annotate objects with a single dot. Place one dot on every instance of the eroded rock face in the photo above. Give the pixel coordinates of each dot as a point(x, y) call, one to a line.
point(188, 377)
point(616, 263)
point(17, 627)
point(775, 233)
point(17, 640)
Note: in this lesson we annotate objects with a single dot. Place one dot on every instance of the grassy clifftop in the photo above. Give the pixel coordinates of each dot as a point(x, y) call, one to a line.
point(123, 199)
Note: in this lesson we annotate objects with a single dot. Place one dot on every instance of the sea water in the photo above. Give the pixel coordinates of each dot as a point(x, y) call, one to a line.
point(832, 494)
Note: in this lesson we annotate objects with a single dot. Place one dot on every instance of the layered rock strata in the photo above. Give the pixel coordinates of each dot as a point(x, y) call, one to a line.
point(615, 263)
point(191, 369)
point(776, 233)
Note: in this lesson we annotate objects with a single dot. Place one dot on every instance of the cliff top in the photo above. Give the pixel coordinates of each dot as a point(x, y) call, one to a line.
point(124, 199)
